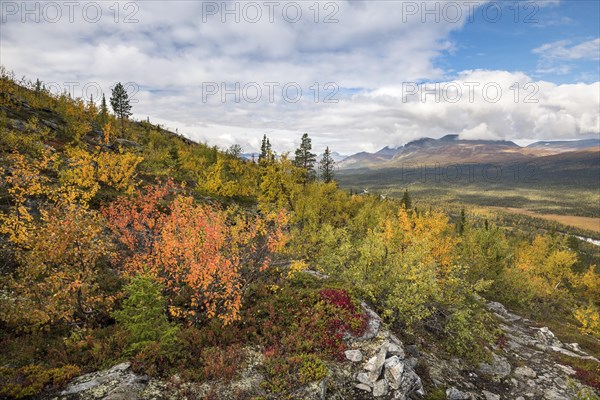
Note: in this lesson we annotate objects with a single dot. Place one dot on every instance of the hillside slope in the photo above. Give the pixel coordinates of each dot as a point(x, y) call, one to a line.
point(192, 273)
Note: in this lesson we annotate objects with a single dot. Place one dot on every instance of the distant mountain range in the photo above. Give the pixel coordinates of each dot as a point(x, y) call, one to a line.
point(450, 149)
point(566, 145)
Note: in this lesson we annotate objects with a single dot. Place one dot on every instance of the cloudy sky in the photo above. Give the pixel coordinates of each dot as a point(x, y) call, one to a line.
point(355, 75)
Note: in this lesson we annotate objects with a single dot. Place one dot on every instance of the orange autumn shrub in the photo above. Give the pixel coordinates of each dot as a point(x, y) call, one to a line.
point(203, 255)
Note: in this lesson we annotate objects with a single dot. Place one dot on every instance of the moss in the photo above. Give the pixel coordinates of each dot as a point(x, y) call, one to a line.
point(437, 394)
point(31, 379)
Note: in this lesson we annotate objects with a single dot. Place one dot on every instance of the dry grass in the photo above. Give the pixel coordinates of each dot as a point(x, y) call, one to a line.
point(587, 223)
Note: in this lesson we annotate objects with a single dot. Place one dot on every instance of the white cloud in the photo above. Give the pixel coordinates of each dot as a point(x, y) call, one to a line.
point(373, 49)
point(564, 50)
point(558, 57)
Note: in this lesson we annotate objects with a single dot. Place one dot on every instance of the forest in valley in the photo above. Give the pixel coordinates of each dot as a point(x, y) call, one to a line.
point(121, 240)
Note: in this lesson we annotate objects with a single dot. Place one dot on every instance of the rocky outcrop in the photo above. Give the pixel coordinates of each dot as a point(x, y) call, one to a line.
point(378, 365)
point(388, 372)
point(524, 368)
point(497, 368)
point(116, 383)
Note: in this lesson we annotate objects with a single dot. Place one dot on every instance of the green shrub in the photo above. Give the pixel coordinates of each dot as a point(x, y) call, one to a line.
point(466, 327)
point(312, 368)
point(285, 374)
point(143, 315)
point(31, 379)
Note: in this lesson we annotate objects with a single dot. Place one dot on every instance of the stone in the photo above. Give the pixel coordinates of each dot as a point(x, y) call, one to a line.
point(396, 350)
point(323, 388)
point(490, 395)
point(399, 396)
point(553, 394)
point(566, 369)
point(547, 338)
point(411, 362)
point(370, 365)
point(413, 350)
point(575, 347)
point(316, 274)
point(354, 355)
point(363, 378)
point(125, 143)
point(375, 373)
point(502, 312)
point(525, 372)
point(499, 367)
point(373, 323)
point(393, 374)
point(118, 382)
point(560, 382)
point(380, 388)
point(362, 386)
point(390, 362)
point(455, 394)
point(411, 382)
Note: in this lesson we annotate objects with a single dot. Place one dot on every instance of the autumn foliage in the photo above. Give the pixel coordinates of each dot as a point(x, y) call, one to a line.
point(57, 246)
point(203, 255)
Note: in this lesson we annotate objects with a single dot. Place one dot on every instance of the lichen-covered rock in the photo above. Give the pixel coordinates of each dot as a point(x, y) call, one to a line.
point(380, 388)
point(388, 374)
point(375, 373)
point(370, 364)
point(393, 374)
point(490, 395)
point(363, 378)
point(525, 372)
point(547, 338)
point(373, 323)
point(391, 361)
point(362, 386)
point(354, 355)
point(498, 368)
point(396, 350)
point(455, 394)
point(116, 383)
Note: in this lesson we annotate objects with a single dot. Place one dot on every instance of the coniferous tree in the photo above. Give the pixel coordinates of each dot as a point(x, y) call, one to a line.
point(103, 111)
point(304, 158)
point(265, 150)
point(92, 107)
point(120, 104)
point(406, 201)
point(38, 86)
point(462, 222)
point(326, 166)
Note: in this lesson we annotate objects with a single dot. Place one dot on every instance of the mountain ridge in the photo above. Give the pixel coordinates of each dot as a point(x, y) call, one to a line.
point(450, 149)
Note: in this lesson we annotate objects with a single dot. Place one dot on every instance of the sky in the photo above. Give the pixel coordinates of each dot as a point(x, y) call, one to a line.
point(355, 75)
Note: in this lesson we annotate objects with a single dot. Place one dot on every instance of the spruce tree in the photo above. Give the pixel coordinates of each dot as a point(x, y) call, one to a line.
point(103, 108)
point(406, 201)
point(120, 104)
point(326, 166)
point(143, 315)
point(304, 158)
point(462, 222)
point(38, 86)
point(265, 150)
point(103, 113)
